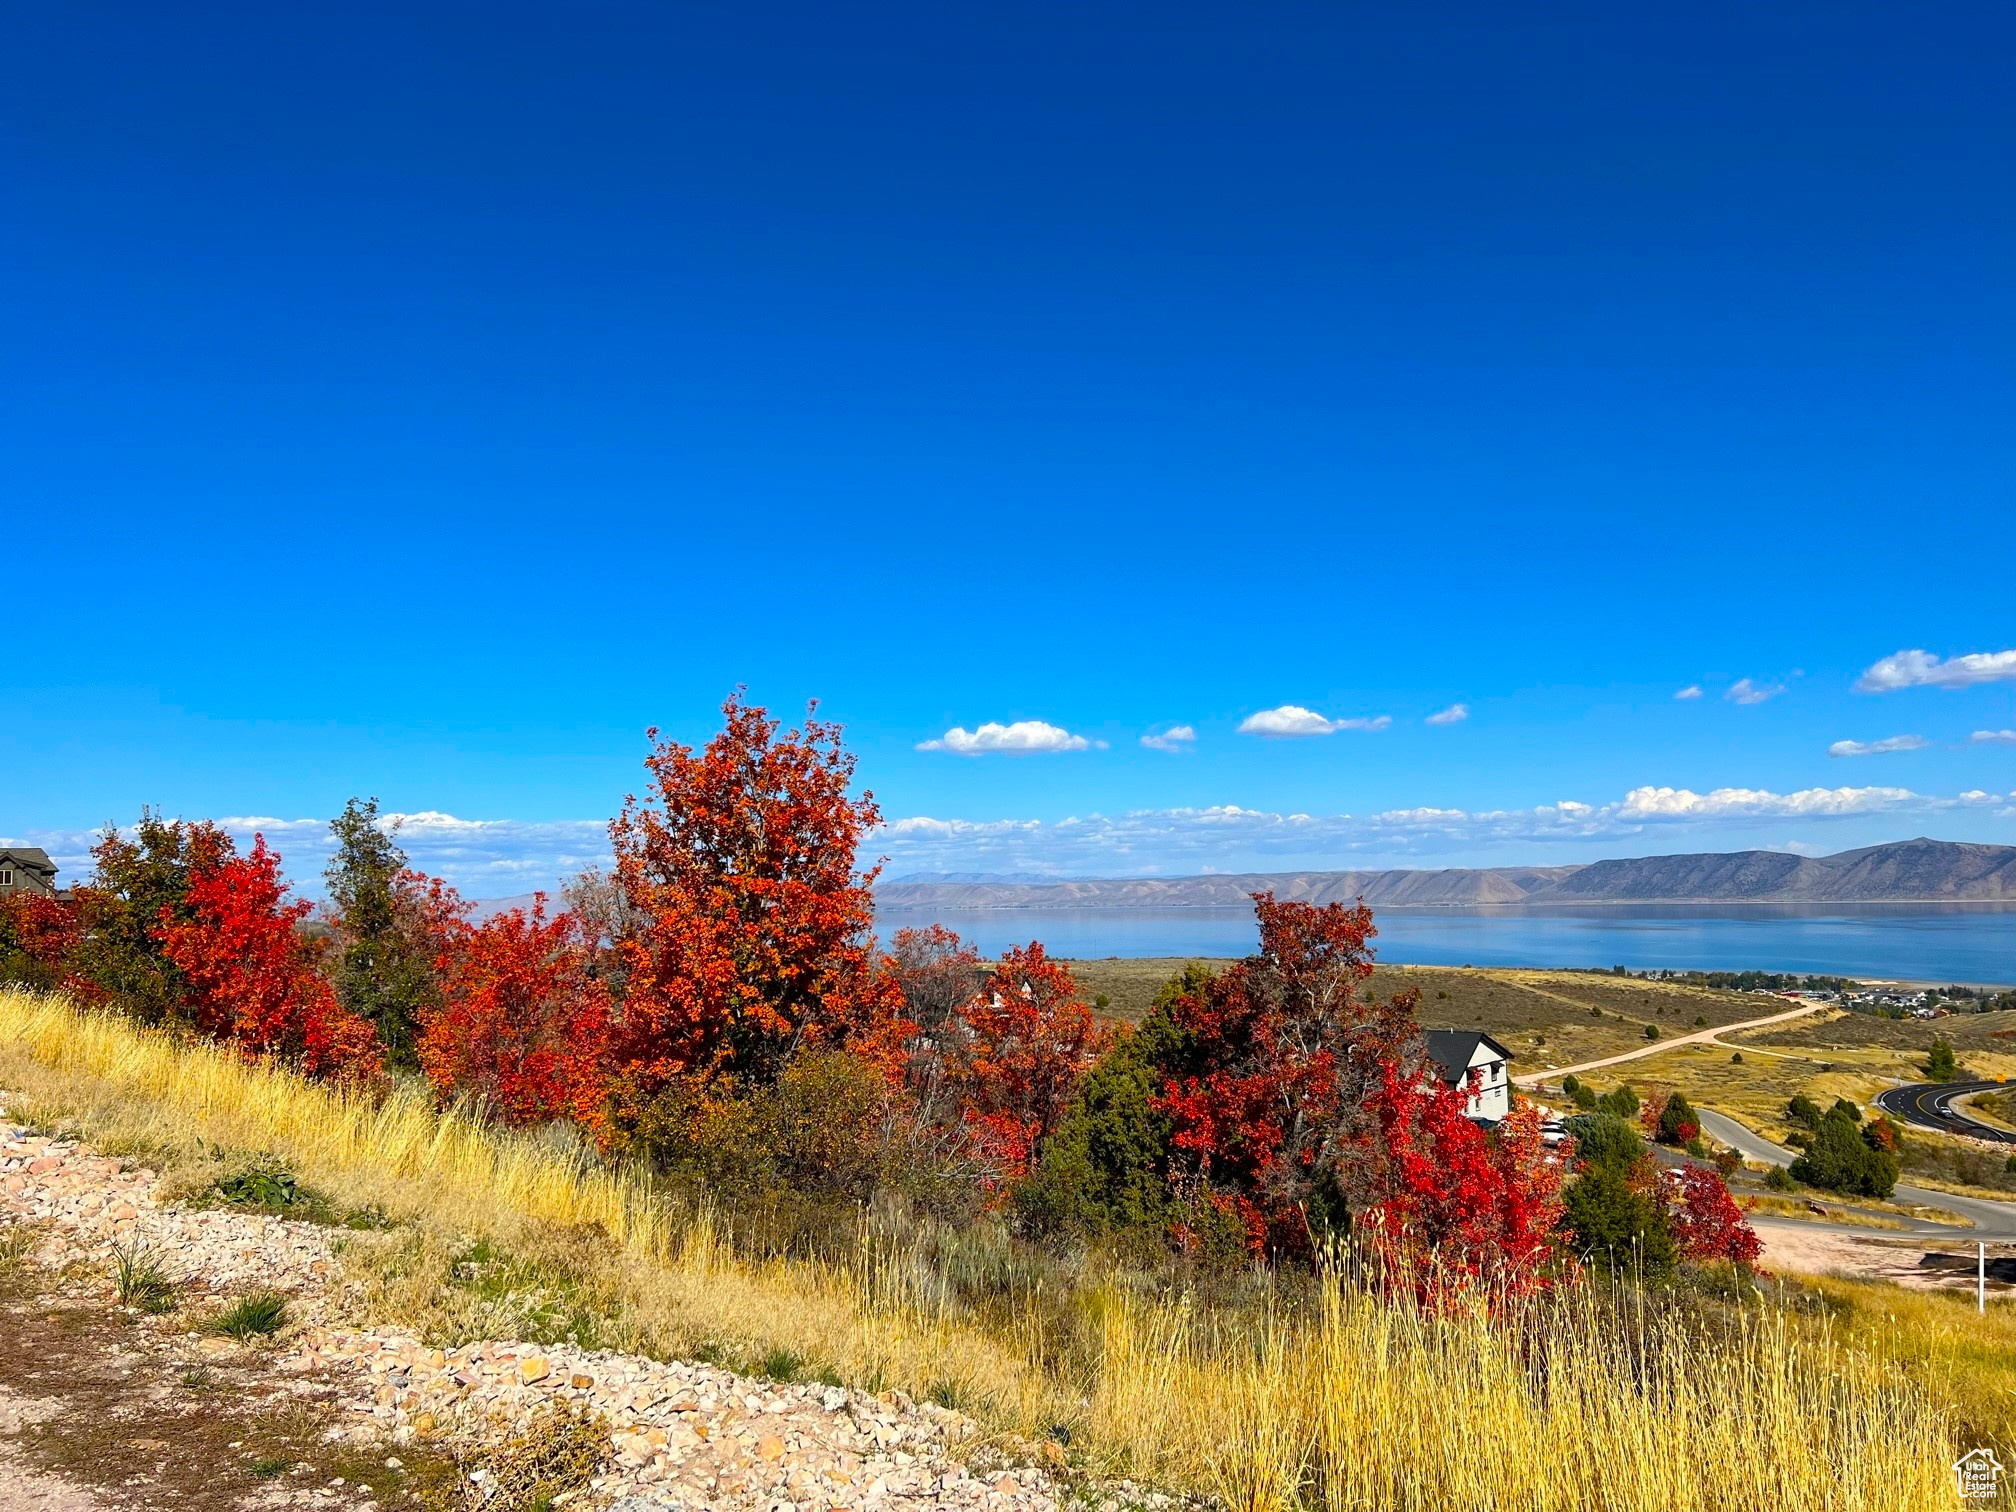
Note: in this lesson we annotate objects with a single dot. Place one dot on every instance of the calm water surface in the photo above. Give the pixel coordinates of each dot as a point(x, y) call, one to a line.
point(1914, 942)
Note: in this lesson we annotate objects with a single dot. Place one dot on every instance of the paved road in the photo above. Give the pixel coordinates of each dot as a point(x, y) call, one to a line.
point(1701, 1037)
point(1993, 1221)
point(1930, 1106)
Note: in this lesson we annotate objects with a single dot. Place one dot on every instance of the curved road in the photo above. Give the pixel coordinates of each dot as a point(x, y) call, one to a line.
point(1993, 1221)
point(1699, 1037)
point(1930, 1106)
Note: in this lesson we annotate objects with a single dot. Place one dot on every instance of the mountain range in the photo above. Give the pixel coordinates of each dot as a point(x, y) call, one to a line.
point(1904, 871)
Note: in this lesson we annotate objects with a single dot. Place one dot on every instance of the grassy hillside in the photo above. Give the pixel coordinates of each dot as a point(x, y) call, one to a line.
point(1543, 1017)
point(1267, 1393)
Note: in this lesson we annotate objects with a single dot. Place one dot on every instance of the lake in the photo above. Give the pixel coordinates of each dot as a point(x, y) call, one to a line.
point(1952, 942)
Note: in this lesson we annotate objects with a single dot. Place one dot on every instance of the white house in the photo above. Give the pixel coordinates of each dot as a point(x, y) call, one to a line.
point(1456, 1053)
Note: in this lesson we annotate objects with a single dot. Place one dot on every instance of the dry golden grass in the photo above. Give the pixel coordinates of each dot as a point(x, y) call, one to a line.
point(1350, 1403)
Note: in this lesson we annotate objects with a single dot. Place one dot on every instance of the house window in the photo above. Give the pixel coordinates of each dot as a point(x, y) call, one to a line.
point(6, 877)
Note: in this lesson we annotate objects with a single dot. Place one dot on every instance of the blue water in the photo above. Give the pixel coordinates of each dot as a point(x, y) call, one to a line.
point(1971, 943)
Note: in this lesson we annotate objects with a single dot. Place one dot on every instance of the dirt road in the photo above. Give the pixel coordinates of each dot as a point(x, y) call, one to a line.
point(1700, 1037)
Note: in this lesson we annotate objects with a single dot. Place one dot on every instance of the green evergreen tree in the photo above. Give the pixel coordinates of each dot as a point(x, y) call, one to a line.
point(1604, 1139)
point(1611, 1224)
point(384, 968)
point(1939, 1063)
point(1839, 1160)
point(1106, 1168)
point(1678, 1122)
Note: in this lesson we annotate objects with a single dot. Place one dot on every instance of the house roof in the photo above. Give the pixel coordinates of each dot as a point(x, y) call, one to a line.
point(29, 856)
point(1453, 1050)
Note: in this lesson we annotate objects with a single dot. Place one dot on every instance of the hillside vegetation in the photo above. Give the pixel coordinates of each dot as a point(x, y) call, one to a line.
point(1269, 1396)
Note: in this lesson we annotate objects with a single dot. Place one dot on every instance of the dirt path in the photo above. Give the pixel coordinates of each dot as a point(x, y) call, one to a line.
point(1699, 1037)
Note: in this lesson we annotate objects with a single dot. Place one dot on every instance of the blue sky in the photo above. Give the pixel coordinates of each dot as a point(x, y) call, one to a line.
point(423, 400)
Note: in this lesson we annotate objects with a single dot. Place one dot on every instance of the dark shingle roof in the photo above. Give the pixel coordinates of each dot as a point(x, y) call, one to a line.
point(28, 855)
point(1451, 1050)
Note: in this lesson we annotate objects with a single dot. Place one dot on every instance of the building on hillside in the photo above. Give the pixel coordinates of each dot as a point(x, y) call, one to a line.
point(1458, 1052)
point(25, 869)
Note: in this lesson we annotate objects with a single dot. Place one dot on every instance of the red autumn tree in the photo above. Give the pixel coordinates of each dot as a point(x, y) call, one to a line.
point(937, 975)
point(1446, 1208)
point(754, 933)
point(1706, 1223)
point(37, 938)
point(1272, 1068)
point(249, 976)
point(140, 881)
point(522, 1022)
point(1016, 1051)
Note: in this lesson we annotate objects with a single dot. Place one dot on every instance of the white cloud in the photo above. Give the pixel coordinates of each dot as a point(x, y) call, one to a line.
point(1877, 747)
point(1921, 669)
point(1175, 739)
point(1993, 737)
point(1022, 738)
point(485, 858)
point(1744, 691)
point(1456, 713)
point(1292, 720)
point(1228, 837)
point(1692, 690)
point(1653, 803)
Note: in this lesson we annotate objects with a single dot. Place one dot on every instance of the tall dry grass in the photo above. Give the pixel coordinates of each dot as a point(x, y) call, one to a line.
point(1343, 1404)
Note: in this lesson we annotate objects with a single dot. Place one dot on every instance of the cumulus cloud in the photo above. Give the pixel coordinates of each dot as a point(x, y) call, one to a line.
point(1993, 737)
point(1744, 691)
point(1456, 713)
point(1292, 721)
point(1175, 739)
point(1654, 803)
point(1921, 669)
point(1022, 738)
point(1877, 747)
point(1692, 690)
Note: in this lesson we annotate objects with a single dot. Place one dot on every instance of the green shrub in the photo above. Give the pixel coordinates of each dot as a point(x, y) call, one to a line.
point(1839, 1159)
point(140, 1281)
point(253, 1315)
point(791, 1163)
point(1803, 1110)
point(1651, 1031)
point(1604, 1139)
point(1617, 1228)
point(264, 1185)
point(1780, 1180)
point(1939, 1063)
point(1623, 1102)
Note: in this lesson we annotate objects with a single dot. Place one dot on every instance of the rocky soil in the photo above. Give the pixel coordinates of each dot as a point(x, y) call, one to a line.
point(397, 1414)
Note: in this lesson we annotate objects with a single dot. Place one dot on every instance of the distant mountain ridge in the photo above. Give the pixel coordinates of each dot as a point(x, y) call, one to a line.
point(1904, 871)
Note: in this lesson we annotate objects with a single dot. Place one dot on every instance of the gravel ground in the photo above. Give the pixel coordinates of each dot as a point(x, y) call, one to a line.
point(686, 1436)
